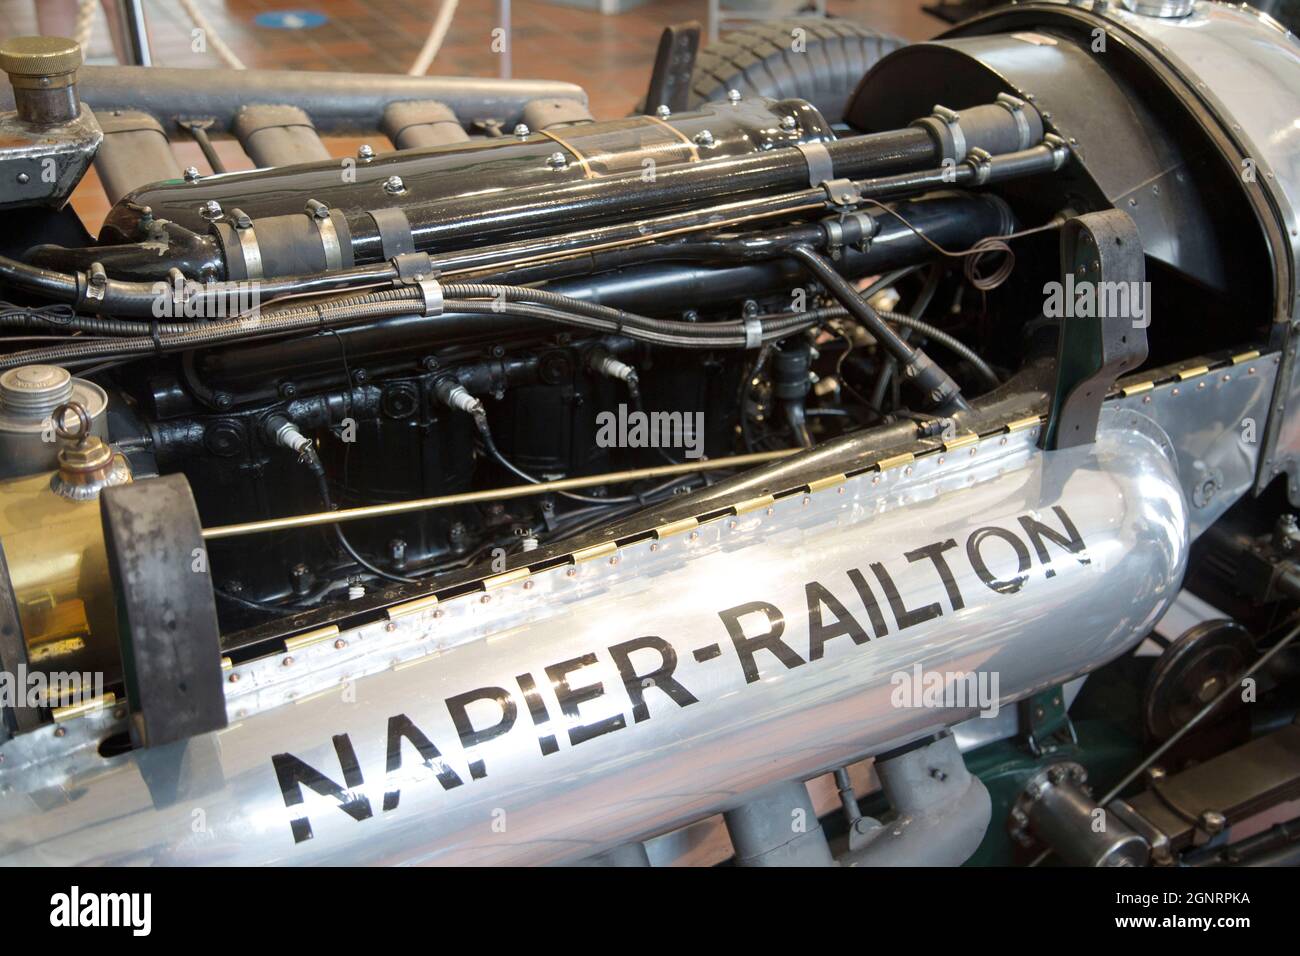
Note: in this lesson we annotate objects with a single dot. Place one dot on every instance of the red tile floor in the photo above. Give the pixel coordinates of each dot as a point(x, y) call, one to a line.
point(609, 56)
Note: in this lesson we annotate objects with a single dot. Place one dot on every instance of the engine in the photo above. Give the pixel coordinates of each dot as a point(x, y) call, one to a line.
point(621, 476)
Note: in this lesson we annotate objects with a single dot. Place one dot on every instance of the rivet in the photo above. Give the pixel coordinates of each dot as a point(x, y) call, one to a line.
point(233, 678)
point(340, 643)
point(287, 662)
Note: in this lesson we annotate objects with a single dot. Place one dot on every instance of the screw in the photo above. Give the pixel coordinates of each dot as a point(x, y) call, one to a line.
point(557, 160)
point(522, 131)
point(192, 174)
point(733, 96)
point(393, 185)
point(938, 774)
point(365, 152)
point(704, 138)
point(23, 179)
point(789, 123)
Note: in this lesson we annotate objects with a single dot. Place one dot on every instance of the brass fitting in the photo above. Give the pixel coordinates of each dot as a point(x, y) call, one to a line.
point(43, 73)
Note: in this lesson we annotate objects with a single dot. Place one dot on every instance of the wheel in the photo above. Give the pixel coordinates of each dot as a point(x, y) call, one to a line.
point(762, 59)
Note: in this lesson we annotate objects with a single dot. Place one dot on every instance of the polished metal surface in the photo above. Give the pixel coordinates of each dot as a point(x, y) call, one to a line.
point(594, 757)
point(1215, 421)
point(1246, 67)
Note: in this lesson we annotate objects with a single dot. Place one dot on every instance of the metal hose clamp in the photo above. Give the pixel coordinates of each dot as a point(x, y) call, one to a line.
point(319, 213)
point(248, 244)
point(818, 159)
point(1016, 107)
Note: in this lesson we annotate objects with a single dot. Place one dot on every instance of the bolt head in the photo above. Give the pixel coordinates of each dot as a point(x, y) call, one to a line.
point(366, 152)
point(522, 131)
point(557, 160)
point(733, 96)
point(192, 174)
point(212, 210)
point(789, 123)
point(394, 185)
point(704, 138)
point(1212, 821)
point(662, 111)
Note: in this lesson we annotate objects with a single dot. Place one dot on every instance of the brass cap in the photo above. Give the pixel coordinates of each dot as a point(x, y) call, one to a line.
point(39, 56)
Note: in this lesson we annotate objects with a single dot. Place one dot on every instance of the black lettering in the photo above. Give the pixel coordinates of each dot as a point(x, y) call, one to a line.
point(402, 726)
point(1071, 540)
point(902, 616)
point(1010, 585)
point(471, 738)
point(935, 553)
point(293, 774)
point(537, 710)
point(868, 598)
point(819, 633)
point(747, 647)
point(661, 678)
point(571, 699)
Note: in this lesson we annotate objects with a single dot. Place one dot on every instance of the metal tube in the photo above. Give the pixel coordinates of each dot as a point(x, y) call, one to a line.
point(338, 103)
point(779, 828)
point(497, 494)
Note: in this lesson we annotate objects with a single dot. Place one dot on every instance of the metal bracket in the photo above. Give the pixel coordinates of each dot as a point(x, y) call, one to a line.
point(1103, 308)
point(670, 78)
point(1046, 722)
point(842, 192)
point(821, 168)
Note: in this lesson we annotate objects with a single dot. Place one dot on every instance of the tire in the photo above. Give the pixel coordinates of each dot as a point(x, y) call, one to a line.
point(760, 59)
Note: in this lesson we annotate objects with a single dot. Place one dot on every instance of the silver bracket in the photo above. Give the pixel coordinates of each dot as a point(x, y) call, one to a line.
point(842, 192)
point(981, 161)
point(821, 169)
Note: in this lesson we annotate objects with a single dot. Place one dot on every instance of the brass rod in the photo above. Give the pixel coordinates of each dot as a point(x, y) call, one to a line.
point(494, 494)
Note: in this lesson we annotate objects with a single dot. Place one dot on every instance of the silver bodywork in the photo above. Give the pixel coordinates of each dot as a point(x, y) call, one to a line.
point(217, 799)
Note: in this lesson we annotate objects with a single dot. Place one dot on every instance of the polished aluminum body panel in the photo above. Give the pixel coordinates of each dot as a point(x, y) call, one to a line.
point(217, 799)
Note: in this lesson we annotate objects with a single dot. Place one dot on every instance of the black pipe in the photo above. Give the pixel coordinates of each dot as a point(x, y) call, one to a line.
point(939, 389)
point(636, 283)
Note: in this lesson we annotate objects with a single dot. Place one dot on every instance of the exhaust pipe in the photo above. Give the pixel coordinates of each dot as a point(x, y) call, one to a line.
point(557, 715)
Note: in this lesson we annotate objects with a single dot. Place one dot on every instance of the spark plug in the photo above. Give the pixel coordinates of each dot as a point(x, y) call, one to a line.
point(283, 431)
point(454, 395)
point(603, 363)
